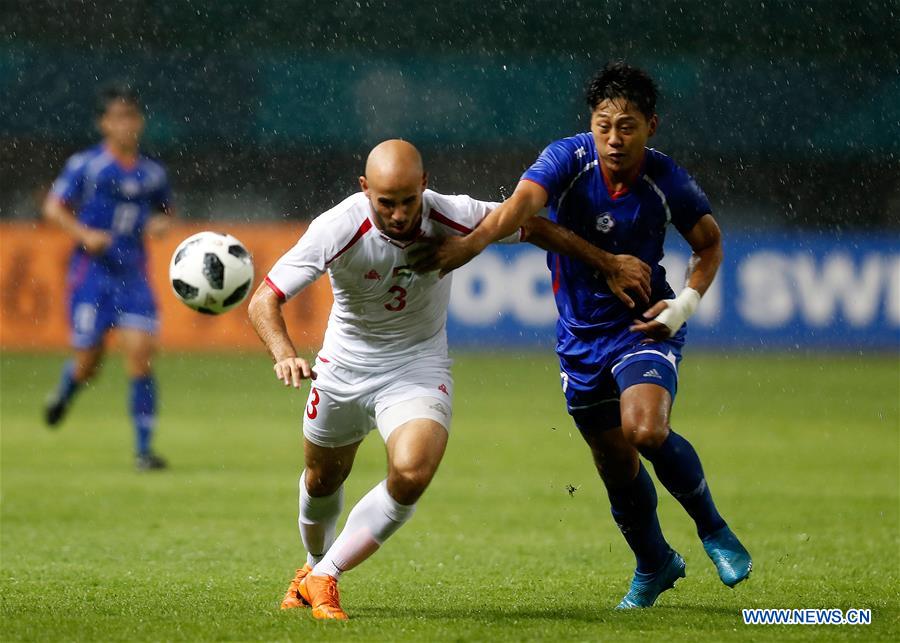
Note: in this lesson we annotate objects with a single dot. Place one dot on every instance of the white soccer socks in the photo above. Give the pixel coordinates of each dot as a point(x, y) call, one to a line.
point(370, 523)
point(318, 521)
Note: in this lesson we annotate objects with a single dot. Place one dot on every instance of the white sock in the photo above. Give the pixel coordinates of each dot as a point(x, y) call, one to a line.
point(370, 523)
point(318, 521)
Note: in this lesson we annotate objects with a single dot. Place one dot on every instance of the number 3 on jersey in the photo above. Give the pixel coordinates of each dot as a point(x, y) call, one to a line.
point(398, 303)
point(314, 399)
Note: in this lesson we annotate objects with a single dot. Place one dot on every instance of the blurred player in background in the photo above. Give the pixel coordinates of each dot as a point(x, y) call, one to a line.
point(107, 198)
point(384, 359)
point(619, 374)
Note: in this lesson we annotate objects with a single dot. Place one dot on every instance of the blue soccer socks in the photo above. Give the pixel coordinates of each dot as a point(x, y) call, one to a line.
point(679, 470)
point(58, 401)
point(633, 508)
point(142, 405)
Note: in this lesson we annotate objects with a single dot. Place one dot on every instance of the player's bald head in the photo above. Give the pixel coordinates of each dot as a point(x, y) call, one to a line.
point(394, 183)
point(393, 164)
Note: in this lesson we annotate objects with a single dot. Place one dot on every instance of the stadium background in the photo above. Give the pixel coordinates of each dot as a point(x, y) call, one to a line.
point(787, 113)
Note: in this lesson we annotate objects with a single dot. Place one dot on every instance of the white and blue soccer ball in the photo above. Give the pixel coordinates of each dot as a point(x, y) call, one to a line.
point(211, 272)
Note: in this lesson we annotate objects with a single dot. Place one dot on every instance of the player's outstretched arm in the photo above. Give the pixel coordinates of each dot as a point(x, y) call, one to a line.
point(453, 252)
point(93, 240)
point(623, 273)
point(667, 316)
point(705, 239)
point(268, 321)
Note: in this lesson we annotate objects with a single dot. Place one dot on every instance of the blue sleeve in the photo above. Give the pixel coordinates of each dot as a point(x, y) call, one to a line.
point(555, 168)
point(69, 184)
point(688, 203)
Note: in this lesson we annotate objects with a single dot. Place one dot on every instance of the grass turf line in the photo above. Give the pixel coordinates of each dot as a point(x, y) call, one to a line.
point(801, 454)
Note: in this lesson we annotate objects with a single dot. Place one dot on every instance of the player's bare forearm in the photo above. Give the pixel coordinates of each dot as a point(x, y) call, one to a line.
point(57, 212)
point(663, 319)
point(268, 322)
point(525, 202)
point(621, 272)
point(705, 239)
point(549, 236)
point(452, 252)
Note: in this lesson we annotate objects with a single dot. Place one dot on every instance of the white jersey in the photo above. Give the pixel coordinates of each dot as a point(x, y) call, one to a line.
point(384, 314)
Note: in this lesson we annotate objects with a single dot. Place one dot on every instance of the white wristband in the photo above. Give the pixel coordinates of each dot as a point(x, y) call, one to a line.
point(679, 310)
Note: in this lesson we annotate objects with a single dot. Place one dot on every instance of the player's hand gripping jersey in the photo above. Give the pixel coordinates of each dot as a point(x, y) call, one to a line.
point(384, 314)
point(593, 322)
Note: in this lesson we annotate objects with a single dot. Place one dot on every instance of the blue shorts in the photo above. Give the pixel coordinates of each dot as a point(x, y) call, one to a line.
point(592, 394)
point(99, 301)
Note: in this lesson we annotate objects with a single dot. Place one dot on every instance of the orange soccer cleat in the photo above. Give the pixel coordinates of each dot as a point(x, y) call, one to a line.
point(322, 593)
point(293, 598)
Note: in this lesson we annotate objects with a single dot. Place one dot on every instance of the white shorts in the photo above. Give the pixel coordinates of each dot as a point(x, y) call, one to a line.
point(344, 405)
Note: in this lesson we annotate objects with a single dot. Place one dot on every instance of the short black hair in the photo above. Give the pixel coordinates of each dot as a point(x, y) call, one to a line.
point(621, 80)
point(114, 92)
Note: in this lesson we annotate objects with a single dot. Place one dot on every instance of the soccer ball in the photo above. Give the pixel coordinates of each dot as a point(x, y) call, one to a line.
point(211, 272)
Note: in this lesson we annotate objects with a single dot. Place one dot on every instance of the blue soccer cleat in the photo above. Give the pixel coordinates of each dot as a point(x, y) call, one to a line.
point(730, 557)
point(645, 588)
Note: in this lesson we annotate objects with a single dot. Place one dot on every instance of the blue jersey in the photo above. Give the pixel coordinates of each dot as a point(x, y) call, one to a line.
point(593, 323)
point(108, 196)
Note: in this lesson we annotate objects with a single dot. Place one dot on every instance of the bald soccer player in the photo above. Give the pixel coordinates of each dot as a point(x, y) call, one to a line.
point(383, 362)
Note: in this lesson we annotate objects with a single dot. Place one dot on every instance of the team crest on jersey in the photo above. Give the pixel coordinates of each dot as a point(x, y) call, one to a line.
point(605, 222)
point(373, 274)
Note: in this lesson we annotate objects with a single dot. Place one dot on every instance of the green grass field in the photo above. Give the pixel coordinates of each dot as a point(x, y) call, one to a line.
point(802, 455)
